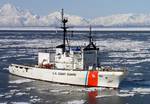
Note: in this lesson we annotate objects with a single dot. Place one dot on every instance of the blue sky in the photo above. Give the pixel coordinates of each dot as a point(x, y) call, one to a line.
point(84, 8)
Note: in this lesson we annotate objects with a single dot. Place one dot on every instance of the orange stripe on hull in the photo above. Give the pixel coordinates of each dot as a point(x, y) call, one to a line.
point(93, 78)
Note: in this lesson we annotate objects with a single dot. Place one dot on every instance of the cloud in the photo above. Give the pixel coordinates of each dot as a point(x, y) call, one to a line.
point(10, 16)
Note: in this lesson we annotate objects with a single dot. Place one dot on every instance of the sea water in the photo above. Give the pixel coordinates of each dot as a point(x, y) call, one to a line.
point(121, 49)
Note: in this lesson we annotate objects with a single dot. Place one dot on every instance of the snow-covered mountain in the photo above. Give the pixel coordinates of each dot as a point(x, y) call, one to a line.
point(123, 20)
point(12, 16)
point(55, 18)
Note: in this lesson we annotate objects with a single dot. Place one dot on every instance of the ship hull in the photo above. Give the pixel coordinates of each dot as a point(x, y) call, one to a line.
point(83, 78)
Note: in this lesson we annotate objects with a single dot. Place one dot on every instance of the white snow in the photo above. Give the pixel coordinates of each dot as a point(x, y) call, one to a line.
point(19, 81)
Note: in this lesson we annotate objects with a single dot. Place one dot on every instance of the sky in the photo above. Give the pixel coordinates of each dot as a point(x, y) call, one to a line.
point(85, 8)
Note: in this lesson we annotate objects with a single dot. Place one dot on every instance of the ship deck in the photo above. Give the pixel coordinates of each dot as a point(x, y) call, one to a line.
point(105, 69)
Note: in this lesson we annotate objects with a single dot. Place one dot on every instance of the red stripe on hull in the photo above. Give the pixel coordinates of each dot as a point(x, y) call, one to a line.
point(93, 78)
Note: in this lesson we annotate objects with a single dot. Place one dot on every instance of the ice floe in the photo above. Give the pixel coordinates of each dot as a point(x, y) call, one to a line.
point(30, 88)
point(8, 96)
point(19, 81)
point(12, 86)
point(33, 97)
point(1, 96)
point(134, 91)
point(54, 91)
point(35, 100)
point(76, 102)
point(126, 95)
point(4, 103)
point(21, 93)
point(20, 103)
point(60, 91)
point(14, 90)
point(141, 90)
point(138, 74)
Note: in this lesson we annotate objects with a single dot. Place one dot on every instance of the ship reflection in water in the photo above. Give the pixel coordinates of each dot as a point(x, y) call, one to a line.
point(99, 96)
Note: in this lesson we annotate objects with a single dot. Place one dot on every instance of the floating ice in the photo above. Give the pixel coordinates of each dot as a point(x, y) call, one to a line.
point(55, 91)
point(8, 96)
point(1, 96)
point(32, 58)
point(21, 93)
point(20, 103)
point(30, 88)
point(12, 86)
point(100, 96)
point(76, 102)
point(4, 103)
point(61, 91)
point(19, 81)
point(90, 89)
point(134, 91)
point(65, 92)
point(141, 90)
point(138, 74)
point(5, 68)
point(128, 92)
point(33, 97)
point(35, 100)
point(14, 90)
point(61, 85)
point(126, 95)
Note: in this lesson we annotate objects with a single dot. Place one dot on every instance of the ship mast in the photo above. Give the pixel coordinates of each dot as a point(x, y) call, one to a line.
point(64, 21)
point(90, 36)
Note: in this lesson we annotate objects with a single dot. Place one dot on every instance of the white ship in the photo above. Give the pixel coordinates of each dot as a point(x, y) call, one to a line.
point(72, 65)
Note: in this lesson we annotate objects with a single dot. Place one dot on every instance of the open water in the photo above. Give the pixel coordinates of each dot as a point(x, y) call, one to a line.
point(129, 50)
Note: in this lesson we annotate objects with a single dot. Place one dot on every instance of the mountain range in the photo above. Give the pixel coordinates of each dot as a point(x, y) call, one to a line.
point(10, 16)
